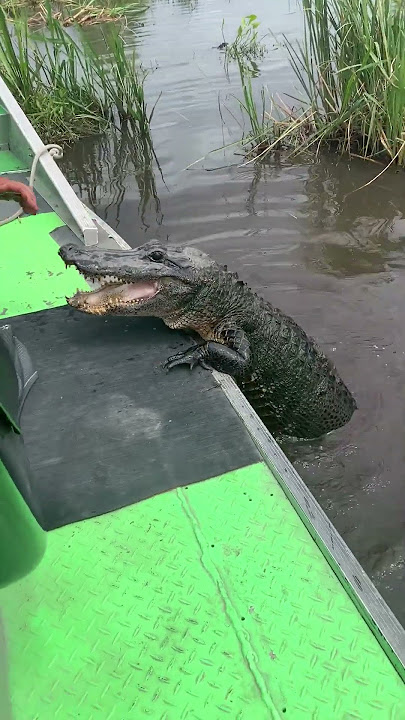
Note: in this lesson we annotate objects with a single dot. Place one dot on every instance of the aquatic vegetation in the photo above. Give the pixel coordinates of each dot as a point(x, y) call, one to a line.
point(66, 89)
point(247, 43)
point(246, 48)
point(69, 12)
point(351, 71)
point(259, 125)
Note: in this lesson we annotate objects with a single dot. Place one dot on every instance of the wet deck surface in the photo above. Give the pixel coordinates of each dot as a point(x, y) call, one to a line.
point(106, 427)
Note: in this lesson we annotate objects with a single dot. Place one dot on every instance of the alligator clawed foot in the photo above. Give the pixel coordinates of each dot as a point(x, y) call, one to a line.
point(192, 357)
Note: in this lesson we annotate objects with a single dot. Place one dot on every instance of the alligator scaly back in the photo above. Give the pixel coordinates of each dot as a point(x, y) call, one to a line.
point(288, 380)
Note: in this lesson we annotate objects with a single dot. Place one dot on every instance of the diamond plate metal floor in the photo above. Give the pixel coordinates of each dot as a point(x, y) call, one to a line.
point(210, 601)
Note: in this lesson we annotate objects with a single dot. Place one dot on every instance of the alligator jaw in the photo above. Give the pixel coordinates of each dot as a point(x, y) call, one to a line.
point(113, 295)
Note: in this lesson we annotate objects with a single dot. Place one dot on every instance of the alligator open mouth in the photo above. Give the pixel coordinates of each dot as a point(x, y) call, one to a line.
point(112, 293)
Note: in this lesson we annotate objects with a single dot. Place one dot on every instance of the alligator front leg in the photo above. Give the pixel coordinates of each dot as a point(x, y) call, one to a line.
point(231, 354)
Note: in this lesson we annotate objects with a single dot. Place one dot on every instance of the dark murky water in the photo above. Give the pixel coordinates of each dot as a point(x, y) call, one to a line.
point(336, 263)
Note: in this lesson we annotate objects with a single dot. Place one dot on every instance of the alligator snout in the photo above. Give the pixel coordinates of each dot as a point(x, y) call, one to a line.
point(67, 252)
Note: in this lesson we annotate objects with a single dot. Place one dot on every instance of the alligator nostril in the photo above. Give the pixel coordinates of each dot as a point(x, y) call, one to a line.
point(69, 248)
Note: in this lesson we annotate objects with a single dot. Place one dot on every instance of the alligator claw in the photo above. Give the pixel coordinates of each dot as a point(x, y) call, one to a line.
point(192, 357)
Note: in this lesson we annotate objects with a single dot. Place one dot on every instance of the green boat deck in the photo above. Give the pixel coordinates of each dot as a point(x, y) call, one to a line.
point(208, 600)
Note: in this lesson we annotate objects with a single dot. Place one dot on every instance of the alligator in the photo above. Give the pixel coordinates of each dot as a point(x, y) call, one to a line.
point(288, 380)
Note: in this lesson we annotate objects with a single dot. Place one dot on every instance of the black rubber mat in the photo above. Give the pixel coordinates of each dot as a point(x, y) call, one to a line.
point(105, 426)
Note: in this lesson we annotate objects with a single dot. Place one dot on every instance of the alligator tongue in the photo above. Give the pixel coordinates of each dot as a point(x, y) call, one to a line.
point(126, 293)
point(138, 291)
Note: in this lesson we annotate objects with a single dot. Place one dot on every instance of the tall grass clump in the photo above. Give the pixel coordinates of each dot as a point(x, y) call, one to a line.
point(65, 89)
point(52, 81)
point(351, 71)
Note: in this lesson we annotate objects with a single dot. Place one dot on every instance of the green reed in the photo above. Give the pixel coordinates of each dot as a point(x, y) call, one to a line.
point(246, 48)
point(351, 72)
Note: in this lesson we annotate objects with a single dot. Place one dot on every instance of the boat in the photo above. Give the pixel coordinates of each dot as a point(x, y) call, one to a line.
point(160, 557)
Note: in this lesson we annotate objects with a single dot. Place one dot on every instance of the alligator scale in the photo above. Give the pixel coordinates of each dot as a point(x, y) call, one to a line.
point(287, 379)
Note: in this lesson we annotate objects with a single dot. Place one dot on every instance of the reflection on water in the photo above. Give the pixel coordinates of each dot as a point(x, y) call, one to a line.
point(352, 231)
point(109, 167)
point(186, 5)
point(297, 233)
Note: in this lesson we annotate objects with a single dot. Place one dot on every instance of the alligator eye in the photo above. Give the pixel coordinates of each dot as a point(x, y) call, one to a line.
point(157, 256)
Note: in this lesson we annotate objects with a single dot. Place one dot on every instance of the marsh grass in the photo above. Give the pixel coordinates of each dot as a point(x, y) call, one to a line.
point(66, 89)
point(351, 71)
point(69, 12)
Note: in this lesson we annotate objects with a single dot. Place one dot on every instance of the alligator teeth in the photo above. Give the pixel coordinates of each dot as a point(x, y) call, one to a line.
point(102, 280)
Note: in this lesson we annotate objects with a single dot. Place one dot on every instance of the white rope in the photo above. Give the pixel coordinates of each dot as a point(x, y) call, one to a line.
point(56, 153)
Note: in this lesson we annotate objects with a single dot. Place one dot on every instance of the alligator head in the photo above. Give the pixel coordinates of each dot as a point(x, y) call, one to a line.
point(152, 280)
